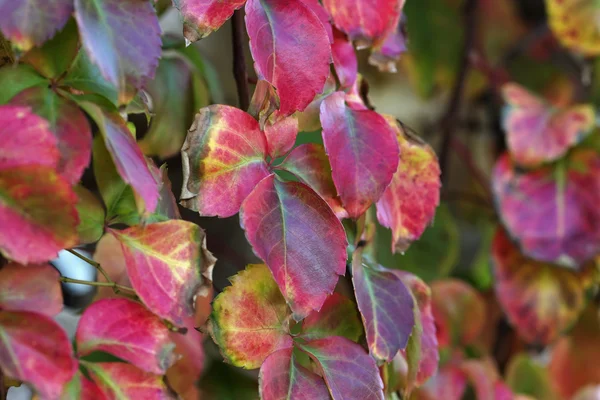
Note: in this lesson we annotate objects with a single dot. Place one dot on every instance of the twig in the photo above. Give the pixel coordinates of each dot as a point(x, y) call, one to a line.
point(450, 117)
point(118, 288)
point(92, 263)
point(239, 60)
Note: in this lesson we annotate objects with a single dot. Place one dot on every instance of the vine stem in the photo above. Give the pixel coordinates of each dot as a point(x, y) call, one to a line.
point(450, 116)
point(239, 59)
point(92, 263)
point(118, 288)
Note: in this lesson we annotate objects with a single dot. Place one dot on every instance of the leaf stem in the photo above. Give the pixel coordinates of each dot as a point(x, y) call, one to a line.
point(118, 288)
point(239, 59)
point(92, 263)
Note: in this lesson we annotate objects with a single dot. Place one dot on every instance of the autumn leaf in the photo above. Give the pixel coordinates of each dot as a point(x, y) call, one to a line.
point(290, 48)
point(387, 50)
point(572, 21)
point(168, 265)
point(281, 135)
point(81, 388)
point(250, 318)
point(223, 160)
point(117, 380)
point(91, 216)
point(299, 237)
point(337, 317)
point(344, 60)
point(203, 17)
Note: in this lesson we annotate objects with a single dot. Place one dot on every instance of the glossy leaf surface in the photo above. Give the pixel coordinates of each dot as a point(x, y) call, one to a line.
point(408, 204)
point(386, 307)
point(337, 317)
point(291, 50)
point(223, 160)
point(123, 381)
point(168, 265)
point(540, 299)
point(45, 361)
point(298, 236)
point(202, 17)
point(350, 373)
point(536, 132)
point(122, 38)
point(282, 377)
point(363, 151)
point(30, 288)
point(552, 212)
point(250, 319)
point(29, 23)
point(126, 329)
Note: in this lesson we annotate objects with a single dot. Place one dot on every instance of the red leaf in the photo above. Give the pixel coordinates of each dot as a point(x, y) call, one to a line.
point(36, 350)
point(350, 373)
point(295, 232)
point(320, 12)
point(30, 23)
point(223, 160)
point(281, 136)
point(168, 265)
point(30, 288)
point(337, 317)
point(387, 50)
point(203, 17)
point(386, 307)
point(118, 380)
point(184, 374)
point(291, 50)
point(362, 149)
point(81, 388)
point(408, 204)
point(537, 132)
point(282, 377)
point(363, 21)
point(67, 123)
point(552, 211)
point(250, 319)
point(344, 60)
point(126, 154)
point(449, 384)
point(122, 37)
point(34, 143)
point(540, 299)
point(485, 379)
point(309, 163)
point(126, 329)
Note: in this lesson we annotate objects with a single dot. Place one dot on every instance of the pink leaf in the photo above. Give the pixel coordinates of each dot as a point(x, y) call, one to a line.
point(387, 50)
point(320, 12)
point(168, 265)
point(536, 131)
point(36, 350)
point(67, 123)
point(362, 149)
point(350, 373)
point(291, 50)
point(408, 204)
point(126, 329)
point(30, 288)
point(203, 17)
point(30, 23)
point(282, 377)
point(122, 37)
point(118, 380)
point(223, 160)
point(281, 136)
point(295, 232)
point(344, 60)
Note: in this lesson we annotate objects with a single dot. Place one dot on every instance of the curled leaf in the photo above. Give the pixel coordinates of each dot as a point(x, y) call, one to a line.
point(203, 17)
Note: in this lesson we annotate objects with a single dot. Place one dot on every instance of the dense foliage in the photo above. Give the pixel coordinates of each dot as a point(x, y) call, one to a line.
point(330, 194)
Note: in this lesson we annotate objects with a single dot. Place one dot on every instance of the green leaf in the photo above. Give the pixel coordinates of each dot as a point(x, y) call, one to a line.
point(85, 77)
point(91, 216)
point(525, 376)
point(14, 79)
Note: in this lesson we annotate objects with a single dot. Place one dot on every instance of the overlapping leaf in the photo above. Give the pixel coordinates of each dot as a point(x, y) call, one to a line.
point(387, 50)
point(91, 216)
point(408, 204)
point(362, 149)
point(349, 372)
point(282, 377)
point(118, 380)
point(309, 163)
point(32, 288)
point(45, 361)
point(168, 265)
point(299, 237)
point(337, 317)
point(552, 211)
point(81, 388)
point(18, 78)
point(250, 319)
point(363, 21)
point(536, 132)
point(67, 123)
point(386, 307)
point(344, 60)
point(126, 155)
point(540, 299)
point(573, 24)
point(281, 136)
point(127, 330)
point(122, 37)
point(223, 160)
point(29, 23)
point(291, 50)
point(202, 17)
